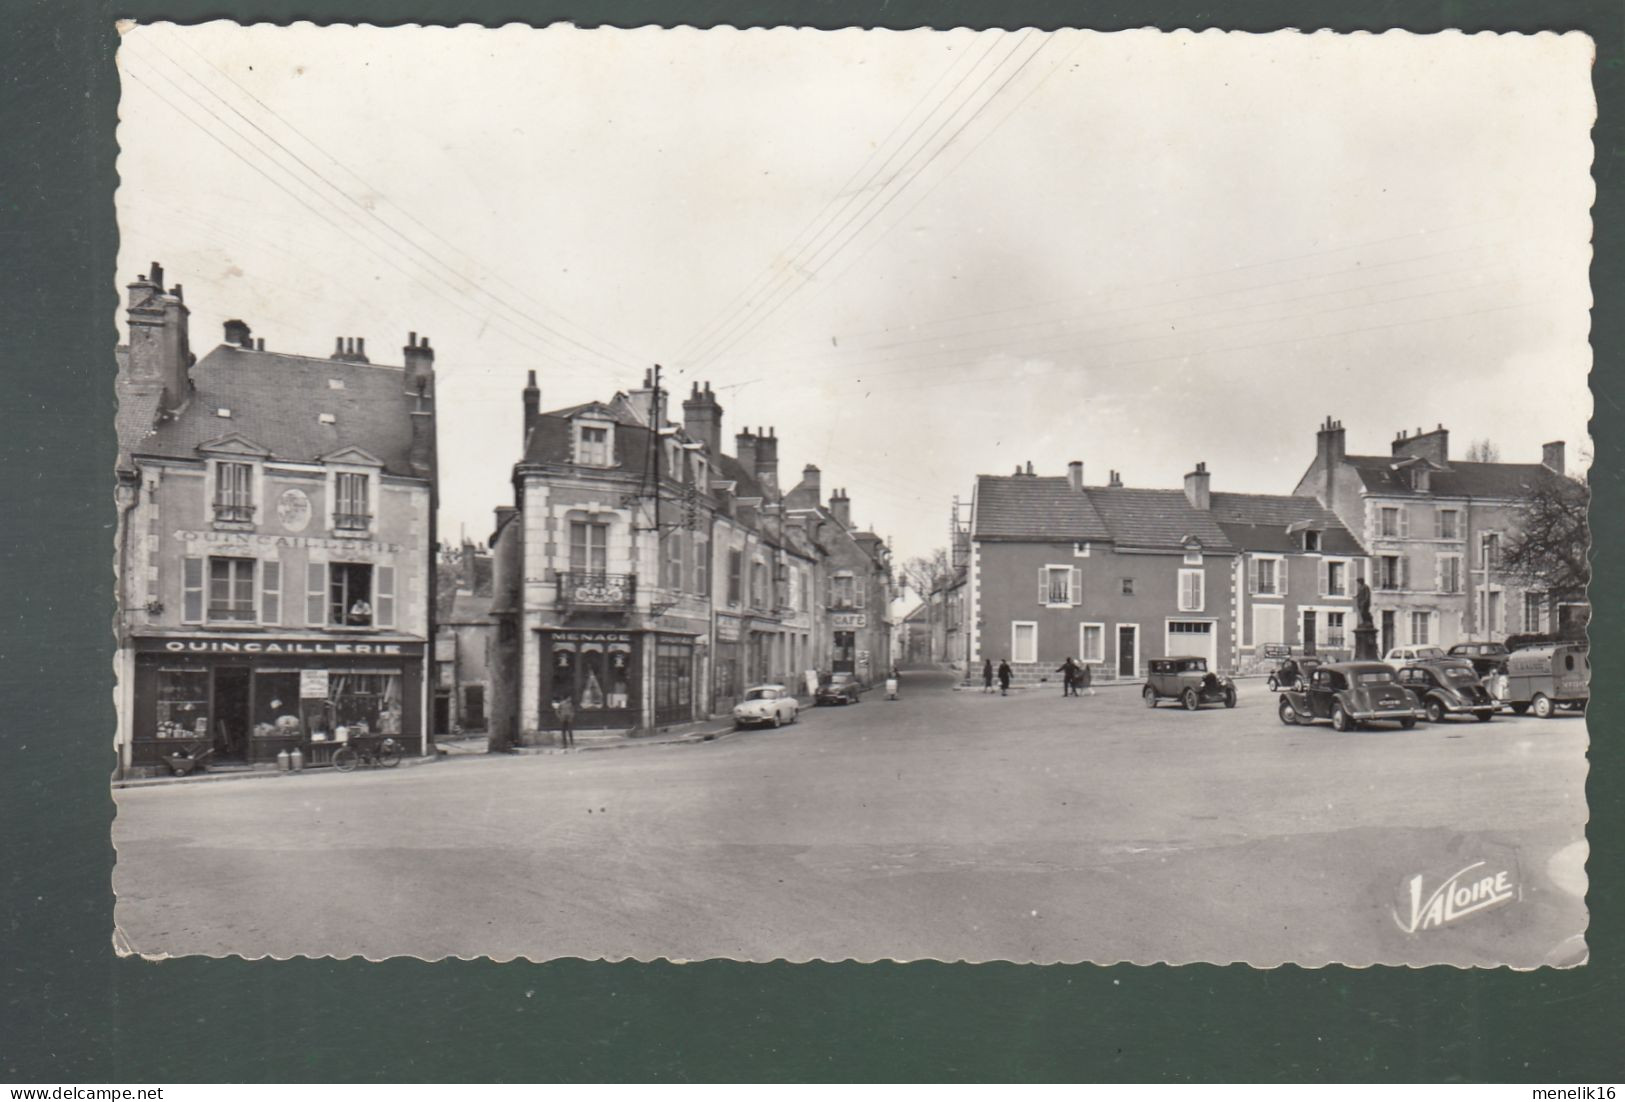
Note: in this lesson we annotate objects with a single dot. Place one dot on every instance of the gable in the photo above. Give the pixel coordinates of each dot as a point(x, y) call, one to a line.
point(352, 455)
point(235, 443)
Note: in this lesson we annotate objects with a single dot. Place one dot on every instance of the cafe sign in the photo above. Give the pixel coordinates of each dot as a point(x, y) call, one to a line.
point(848, 621)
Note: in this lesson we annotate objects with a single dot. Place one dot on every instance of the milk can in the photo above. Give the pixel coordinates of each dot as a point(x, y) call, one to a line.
point(296, 760)
point(283, 763)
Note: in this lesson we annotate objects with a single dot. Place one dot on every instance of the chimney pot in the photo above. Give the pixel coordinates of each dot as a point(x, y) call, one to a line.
point(411, 340)
point(259, 344)
point(361, 346)
point(1074, 475)
point(338, 347)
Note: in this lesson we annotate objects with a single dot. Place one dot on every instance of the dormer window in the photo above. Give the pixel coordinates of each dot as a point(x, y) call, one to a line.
point(1193, 554)
point(1311, 540)
point(592, 445)
point(1419, 479)
point(234, 492)
point(352, 502)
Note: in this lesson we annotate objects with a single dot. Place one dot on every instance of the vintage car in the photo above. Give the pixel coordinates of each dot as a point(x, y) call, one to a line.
point(1404, 656)
point(1351, 694)
point(1187, 680)
point(841, 688)
point(1306, 666)
point(1542, 679)
point(1487, 658)
point(1449, 687)
point(766, 706)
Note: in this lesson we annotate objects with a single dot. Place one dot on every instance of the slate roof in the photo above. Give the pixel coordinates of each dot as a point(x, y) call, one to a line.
point(275, 400)
point(1034, 508)
point(1161, 519)
point(745, 484)
point(1460, 479)
point(1273, 522)
point(551, 442)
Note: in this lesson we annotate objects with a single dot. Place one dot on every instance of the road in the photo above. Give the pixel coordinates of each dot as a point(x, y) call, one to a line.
point(947, 825)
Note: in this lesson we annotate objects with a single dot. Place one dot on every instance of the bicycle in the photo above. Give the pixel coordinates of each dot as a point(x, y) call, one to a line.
point(382, 751)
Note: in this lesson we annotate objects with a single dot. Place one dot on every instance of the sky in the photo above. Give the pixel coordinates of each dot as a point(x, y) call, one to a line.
point(918, 256)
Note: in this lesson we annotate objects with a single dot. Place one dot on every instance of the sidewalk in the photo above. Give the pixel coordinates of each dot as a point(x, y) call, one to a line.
point(254, 773)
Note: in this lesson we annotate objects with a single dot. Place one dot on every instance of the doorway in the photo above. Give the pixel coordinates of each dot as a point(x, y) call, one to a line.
point(1388, 640)
point(1128, 649)
point(231, 712)
point(1309, 631)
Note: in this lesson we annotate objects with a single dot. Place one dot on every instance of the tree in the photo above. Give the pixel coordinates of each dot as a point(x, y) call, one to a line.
point(924, 573)
point(1483, 451)
point(1548, 551)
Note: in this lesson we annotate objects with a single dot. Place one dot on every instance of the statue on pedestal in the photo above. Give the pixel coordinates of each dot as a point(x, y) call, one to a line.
point(1365, 634)
point(1362, 601)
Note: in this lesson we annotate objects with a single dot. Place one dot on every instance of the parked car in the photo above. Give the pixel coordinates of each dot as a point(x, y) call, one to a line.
point(1487, 658)
point(766, 706)
point(1544, 678)
point(841, 688)
point(1187, 680)
point(1306, 666)
point(1351, 694)
point(1449, 686)
point(1404, 656)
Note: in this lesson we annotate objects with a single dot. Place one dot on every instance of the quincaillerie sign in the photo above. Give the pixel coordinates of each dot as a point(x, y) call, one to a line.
point(268, 539)
point(290, 647)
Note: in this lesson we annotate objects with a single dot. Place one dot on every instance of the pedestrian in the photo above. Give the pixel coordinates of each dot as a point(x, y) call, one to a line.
point(1069, 677)
point(987, 675)
point(566, 713)
point(1086, 678)
point(1004, 677)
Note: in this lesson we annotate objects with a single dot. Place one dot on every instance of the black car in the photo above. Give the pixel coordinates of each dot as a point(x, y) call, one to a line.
point(1351, 694)
point(1487, 658)
point(841, 688)
point(1449, 686)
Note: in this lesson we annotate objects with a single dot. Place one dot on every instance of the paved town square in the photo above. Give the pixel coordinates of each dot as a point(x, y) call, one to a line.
point(945, 825)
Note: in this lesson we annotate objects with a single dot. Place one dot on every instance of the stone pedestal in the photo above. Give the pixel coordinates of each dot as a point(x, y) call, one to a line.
point(1365, 643)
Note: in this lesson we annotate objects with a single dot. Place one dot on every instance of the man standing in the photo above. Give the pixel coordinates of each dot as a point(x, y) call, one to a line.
point(566, 713)
point(987, 675)
point(1004, 677)
point(1069, 677)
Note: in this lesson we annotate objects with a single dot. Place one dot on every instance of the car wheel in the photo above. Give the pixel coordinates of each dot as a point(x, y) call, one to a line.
point(1435, 712)
point(1484, 717)
point(1541, 706)
point(1190, 700)
point(1274, 684)
point(1288, 714)
point(1407, 723)
point(1340, 719)
point(1230, 698)
point(1150, 696)
point(774, 722)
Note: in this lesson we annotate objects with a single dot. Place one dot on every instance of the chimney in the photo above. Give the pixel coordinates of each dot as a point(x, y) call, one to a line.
point(237, 333)
point(767, 462)
point(1552, 457)
point(532, 403)
point(1029, 468)
point(1329, 454)
point(840, 507)
point(745, 449)
point(1433, 445)
point(423, 442)
point(812, 478)
point(259, 344)
point(1074, 475)
point(419, 360)
point(1115, 481)
point(643, 401)
point(1196, 488)
point(702, 418)
point(160, 347)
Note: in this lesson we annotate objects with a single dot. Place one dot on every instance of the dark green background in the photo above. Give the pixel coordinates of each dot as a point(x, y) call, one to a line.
point(70, 1011)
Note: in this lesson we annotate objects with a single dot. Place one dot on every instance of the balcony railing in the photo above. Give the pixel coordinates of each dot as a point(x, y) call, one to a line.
point(352, 522)
point(585, 590)
point(233, 512)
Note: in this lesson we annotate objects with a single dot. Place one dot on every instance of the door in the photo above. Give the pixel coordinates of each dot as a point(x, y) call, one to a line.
point(1388, 641)
point(1128, 649)
point(1309, 631)
point(231, 712)
point(442, 712)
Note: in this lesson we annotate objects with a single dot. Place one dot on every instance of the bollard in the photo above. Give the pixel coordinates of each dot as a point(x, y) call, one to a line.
point(283, 763)
point(296, 760)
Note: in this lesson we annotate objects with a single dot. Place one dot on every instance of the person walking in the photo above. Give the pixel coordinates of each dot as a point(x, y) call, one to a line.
point(566, 713)
point(987, 675)
point(1004, 677)
point(1086, 679)
point(1069, 677)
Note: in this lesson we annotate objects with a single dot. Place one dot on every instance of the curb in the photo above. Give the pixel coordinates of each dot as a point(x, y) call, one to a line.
point(249, 775)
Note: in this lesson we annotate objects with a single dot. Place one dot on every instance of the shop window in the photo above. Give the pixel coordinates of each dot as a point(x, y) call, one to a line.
point(356, 704)
point(276, 703)
point(183, 704)
point(231, 589)
point(674, 688)
point(352, 508)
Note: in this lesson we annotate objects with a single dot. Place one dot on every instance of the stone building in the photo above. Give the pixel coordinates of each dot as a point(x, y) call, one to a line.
point(464, 635)
point(276, 535)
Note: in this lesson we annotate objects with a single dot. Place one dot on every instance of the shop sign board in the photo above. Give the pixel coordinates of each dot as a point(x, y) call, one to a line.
point(312, 684)
point(592, 637)
point(848, 621)
point(291, 647)
point(727, 629)
point(270, 539)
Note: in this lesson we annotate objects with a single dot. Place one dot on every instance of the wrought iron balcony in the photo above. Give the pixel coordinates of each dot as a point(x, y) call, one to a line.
point(233, 512)
point(587, 591)
point(352, 522)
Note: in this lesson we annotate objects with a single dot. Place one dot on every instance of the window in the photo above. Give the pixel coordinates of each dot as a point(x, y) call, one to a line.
point(1489, 550)
point(1190, 590)
point(234, 492)
point(592, 446)
point(1057, 585)
point(758, 584)
point(1269, 624)
point(671, 561)
point(806, 590)
point(1023, 642)
point(349, 594)
point(1335, 636)
point(1447, 524)
point(183, 704)
point(1092, 642)
point(1534, 612)
point(842, 594)
point(1449, 573)
point(589, 547)
point(1193, 554)
point(1391, 572)
point(1311, 540)
point(351, 511)
point(361, 702)
point(1419, 479)
point(1421, 628)
point(1391, 522)
point(1268, 578)
point(1492, 611)
point(736, 560)
point(1080, 550)
point(231, 589)
point(1128, 587)
point(1337, 578)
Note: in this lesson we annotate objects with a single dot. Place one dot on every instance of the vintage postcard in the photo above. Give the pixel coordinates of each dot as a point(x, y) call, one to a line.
point(943, 495)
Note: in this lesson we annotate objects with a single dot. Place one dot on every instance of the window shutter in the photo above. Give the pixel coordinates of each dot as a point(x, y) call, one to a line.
point(1198, 587)
point(1077, 586)
point(1043, 585)
point(1323, 577)
point(1404, 572)
point(1404, 523)
point(270, 592)
point(1254, 564)
point(386, 596)
point(1284, 567)
point(192, 590)
point(316, 594)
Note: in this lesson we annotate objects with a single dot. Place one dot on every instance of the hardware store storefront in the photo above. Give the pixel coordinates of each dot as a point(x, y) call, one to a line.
point(245, 699)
